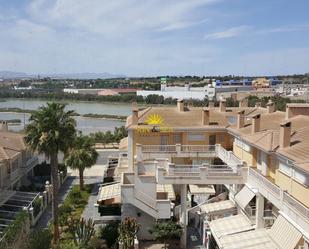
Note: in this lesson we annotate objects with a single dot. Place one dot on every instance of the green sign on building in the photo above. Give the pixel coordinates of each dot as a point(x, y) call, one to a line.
point(163, 80)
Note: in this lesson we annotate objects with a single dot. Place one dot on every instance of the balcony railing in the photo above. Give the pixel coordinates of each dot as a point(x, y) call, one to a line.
point(33, 161)
point(280, 195)
point(217, 150)
point(195, 170)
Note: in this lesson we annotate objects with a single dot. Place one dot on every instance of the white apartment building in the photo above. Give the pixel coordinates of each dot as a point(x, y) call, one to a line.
point(245, 170)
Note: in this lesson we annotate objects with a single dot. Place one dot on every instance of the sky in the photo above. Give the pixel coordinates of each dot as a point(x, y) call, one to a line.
point(155, 37)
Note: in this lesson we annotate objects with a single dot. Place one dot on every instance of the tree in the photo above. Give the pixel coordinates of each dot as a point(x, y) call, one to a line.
point(166, 230)
point(50, 131)
point(81, 155)
point(127, 232)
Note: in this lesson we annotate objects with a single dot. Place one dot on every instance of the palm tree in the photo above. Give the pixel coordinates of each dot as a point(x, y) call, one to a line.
point(51, 130)
point(81, 155)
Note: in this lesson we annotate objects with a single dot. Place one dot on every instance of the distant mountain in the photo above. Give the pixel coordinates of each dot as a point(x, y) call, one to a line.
point(18, 75)
point(12, 75)
point(83, 75)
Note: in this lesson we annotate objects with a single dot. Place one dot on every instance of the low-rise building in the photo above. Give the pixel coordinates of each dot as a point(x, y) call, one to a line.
point(256, 159)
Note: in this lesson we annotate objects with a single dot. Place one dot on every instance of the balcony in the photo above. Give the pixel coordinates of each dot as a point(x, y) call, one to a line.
point(298, 212)
point(155, 160)
point(199, 174)
point(148, 152)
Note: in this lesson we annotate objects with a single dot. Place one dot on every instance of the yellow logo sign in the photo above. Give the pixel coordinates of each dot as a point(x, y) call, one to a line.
point(157, 123)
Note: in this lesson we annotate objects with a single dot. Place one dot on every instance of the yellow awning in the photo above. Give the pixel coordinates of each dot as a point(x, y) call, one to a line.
point(256, 239)
point(229, 225)
point(218, 207)
point(244, 196)
point(168, 188)
point(284, 233)
point(109, 192)
point(202, 189)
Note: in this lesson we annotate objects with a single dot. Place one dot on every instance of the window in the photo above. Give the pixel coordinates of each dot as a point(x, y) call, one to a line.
point(301, 177)
point(220, 138)
point(196, 137)
point(285, 168)
point(242, 145)
point(177, 139)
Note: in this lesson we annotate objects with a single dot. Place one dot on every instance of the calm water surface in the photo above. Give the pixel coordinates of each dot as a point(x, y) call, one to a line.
point(86, 125)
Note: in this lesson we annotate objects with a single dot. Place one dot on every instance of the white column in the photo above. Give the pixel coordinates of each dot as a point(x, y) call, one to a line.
point(259, 211)
point(183, 214)
point(130, 150)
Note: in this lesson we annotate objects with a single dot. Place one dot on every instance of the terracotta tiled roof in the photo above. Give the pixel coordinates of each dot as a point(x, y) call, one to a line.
point(192, 116)
point(11, 144)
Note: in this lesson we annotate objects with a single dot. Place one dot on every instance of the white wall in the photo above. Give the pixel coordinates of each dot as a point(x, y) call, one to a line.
point(175, 94)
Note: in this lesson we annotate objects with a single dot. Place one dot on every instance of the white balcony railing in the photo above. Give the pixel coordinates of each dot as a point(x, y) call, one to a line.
point(161, 151)
point(282, 198)
point(210, 170)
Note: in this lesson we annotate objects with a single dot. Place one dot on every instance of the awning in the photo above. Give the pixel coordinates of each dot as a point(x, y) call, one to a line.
point(284, 233)
point(109, 192)
point(202, 189)
point(219, 207)
point(229, 225)
point(244, 196)
point(168, 188)
point(256, 239)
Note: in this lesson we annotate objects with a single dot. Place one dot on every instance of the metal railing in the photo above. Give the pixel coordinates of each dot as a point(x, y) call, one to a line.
point(158, 148)
point(270, 186)
point(280, 194)
point(15, 174)
point(198, 148)
point(296, 205)
point(193, 170)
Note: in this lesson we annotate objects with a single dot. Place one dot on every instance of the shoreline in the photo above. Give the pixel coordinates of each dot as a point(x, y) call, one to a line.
point(83, 116)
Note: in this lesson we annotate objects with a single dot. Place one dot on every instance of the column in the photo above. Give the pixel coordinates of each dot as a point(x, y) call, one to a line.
point(259, 211)
point(130, 150)
point(183, 214)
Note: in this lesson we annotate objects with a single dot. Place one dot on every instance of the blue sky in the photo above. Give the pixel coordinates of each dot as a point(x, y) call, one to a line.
point(155, 37)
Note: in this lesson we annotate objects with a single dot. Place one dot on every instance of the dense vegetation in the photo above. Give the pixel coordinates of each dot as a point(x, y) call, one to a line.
point(109, 137)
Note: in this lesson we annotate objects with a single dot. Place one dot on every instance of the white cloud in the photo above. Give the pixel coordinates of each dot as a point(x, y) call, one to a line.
point(119, 17)
point(228, 33)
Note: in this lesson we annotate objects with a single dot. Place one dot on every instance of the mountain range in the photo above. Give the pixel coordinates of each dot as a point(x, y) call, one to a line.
point(20, 75)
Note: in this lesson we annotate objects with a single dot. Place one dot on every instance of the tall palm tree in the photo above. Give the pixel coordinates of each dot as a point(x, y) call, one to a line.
point(51, 130)
point(81, 155)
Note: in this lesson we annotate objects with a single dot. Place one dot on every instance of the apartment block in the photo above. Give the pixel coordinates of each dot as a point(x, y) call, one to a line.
point(239, 177)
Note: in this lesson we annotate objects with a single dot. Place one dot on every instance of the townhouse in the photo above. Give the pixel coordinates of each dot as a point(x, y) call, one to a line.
point(238, 176)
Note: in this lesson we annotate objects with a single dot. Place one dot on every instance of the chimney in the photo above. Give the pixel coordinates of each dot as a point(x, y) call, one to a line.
point(222, 107)
point(243, 103)
point(205, 116)
point(240, 119)
point(211, 104)
point(271, 107)
point(285, 134)
point(256, 123)
point(4, 126)
point(134, 116)
point(288, 112)
point(180, 105)
point(257, 104)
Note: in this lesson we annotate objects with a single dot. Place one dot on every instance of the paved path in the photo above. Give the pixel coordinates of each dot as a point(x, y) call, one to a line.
point(63, 192)
point(94, 176)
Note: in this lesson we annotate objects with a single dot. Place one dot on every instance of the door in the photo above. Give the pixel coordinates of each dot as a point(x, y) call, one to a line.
point(212, 141)
point(163, 142)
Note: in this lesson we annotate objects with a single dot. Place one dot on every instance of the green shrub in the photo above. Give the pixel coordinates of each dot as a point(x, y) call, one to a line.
point(109, 233)
point(39, 239)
